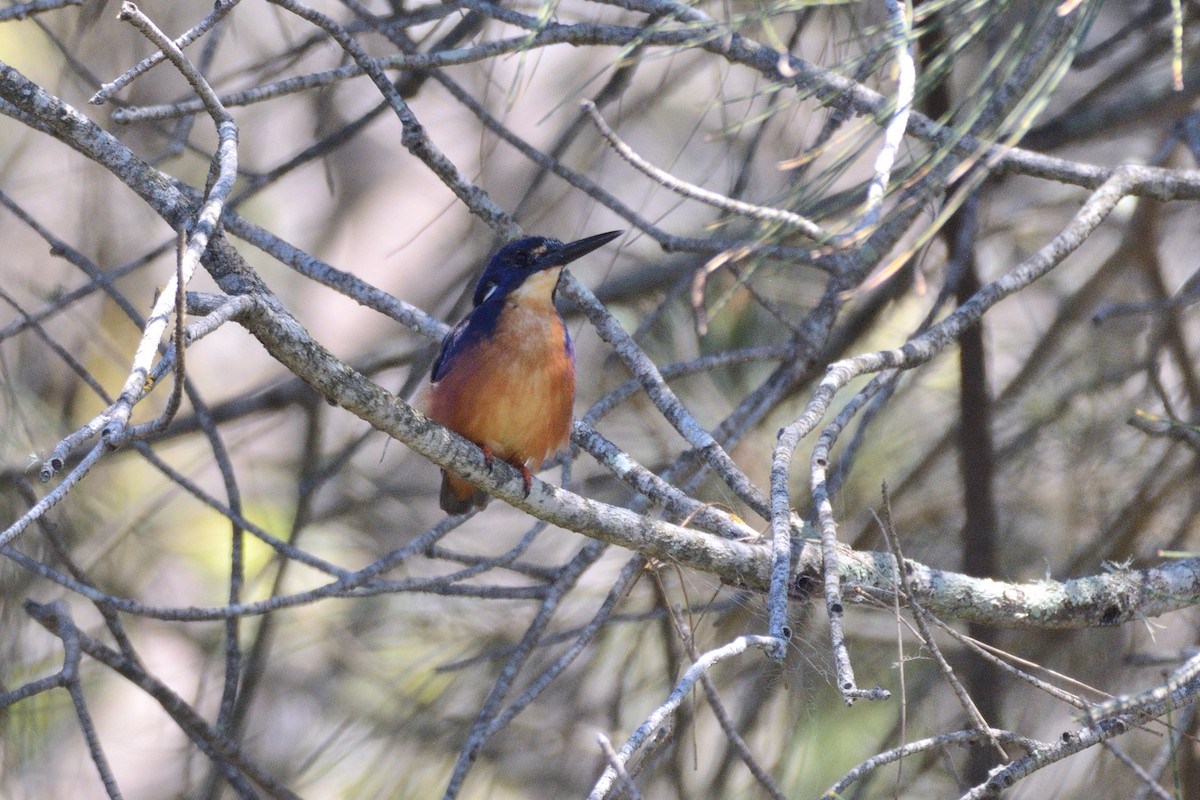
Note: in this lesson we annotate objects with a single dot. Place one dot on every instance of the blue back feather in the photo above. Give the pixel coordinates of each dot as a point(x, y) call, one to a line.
point(476, 327)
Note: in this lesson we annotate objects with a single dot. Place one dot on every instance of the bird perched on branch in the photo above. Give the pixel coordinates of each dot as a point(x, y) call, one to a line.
point(505, 377)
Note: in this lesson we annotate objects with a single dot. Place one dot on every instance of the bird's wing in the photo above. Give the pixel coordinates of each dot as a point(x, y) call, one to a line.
point(452, 344)
point(480, 324)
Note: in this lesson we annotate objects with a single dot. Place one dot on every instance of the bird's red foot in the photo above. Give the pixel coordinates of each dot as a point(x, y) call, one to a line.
point(487, 456)
point(525, 476)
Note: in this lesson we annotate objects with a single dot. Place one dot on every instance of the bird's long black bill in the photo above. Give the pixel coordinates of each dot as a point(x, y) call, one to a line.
point(561, 256)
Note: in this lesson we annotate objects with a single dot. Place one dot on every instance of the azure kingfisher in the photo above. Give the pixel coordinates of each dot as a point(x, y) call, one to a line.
point(505, 376)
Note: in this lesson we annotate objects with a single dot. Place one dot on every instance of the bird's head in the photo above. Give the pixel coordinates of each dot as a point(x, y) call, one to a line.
point(519, 261)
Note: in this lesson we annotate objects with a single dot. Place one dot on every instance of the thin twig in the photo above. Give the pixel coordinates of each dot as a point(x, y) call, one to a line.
point(687, 634)
point(220, 9)
point(685, 684)
point(970, 738)
point(714, 199)
point(413, 136)
point(237, 768)
point(1149, 706)
point(489, 712)
point(667, 402)
point(897, 127)
point(920, 617)
point(624, 781)
point(112, 423)
point(23, 10)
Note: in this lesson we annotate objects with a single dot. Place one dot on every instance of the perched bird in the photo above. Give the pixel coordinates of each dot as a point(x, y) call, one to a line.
point(505, 377)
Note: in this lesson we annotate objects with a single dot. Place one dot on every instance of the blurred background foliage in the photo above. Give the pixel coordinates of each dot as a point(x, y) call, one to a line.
point(371, 696)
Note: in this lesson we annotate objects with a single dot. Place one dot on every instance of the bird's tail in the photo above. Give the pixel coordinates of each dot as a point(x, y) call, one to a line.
point(459, 497)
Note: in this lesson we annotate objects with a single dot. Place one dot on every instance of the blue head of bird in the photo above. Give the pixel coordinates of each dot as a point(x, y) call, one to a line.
point(532, 265)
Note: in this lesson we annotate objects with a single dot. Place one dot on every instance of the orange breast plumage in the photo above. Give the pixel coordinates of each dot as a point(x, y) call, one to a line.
point(512, 392)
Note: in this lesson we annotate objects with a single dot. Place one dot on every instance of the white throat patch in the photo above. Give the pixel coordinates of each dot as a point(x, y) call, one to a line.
point(538, 287)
